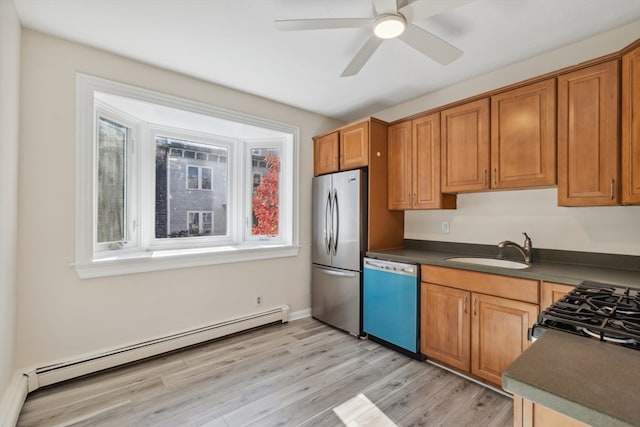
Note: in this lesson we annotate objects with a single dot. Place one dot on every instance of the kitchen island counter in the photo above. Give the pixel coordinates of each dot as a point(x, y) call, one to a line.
point(591, 381)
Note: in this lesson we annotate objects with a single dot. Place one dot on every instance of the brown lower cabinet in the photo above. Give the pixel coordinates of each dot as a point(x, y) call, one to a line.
point(529, 414)
point(473, 322)
point(551, 292)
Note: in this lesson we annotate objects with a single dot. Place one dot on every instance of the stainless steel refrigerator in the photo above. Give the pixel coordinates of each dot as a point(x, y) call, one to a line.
point(339, 242)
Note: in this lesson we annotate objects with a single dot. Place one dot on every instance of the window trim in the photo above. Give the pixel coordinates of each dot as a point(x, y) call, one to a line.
point(124, 261)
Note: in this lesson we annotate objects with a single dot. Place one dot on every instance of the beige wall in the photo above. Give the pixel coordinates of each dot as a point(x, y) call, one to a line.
point(494, 216)
point(60, 315)
point(9, 122)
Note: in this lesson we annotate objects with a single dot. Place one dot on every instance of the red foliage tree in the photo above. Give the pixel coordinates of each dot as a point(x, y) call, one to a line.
point(266, 199)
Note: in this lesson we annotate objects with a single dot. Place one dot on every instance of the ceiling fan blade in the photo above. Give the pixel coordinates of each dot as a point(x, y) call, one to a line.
point(362, 56)
point(430, 45)
point(385, 6)
point(322, 24)
point(421, 9)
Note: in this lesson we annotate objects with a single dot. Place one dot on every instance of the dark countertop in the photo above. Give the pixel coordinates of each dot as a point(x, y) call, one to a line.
point(546, 269)
point(595, 382)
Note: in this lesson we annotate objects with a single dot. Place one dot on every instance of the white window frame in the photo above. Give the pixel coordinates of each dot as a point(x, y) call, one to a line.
point(142, 256)
point(149, 151)
point(131, 232)
point(283, 218)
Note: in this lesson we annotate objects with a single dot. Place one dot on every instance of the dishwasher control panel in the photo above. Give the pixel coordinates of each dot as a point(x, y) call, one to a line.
point(392, 266)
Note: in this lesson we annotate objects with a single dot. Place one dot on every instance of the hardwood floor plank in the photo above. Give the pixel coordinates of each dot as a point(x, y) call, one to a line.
point(272, 403)
point(292, 374)
point(334, 394)
point(487, 408)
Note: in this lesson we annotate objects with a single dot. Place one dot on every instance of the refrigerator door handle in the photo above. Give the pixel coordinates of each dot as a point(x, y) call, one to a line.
point(328, 227)
point(338, 273)
point(336, 226)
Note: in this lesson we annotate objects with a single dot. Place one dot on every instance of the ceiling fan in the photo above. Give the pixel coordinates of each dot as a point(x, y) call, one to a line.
point(389, 22)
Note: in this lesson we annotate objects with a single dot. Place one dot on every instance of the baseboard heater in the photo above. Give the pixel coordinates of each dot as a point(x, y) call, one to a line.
point(95, 362)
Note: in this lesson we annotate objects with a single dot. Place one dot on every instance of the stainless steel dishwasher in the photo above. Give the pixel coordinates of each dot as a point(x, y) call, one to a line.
point(390, 304)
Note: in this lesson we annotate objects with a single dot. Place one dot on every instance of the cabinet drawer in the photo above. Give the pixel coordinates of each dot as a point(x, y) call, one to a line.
point(514, 288)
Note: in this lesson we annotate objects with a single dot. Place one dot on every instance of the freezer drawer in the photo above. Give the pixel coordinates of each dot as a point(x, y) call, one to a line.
point(335, 297)
point(390, 303)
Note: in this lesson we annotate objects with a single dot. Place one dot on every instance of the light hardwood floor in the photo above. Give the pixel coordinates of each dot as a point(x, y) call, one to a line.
point(302, 373)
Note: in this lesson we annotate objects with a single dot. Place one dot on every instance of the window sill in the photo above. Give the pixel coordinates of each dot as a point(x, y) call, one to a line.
point(158, 260)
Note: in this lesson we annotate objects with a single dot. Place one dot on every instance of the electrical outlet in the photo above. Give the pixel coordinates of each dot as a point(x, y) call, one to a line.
point(445, 227)
point(259, 300)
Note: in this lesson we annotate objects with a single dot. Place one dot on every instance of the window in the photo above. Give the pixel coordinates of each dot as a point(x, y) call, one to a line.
point(164, 182)
point(199, 178)
point(200, 223)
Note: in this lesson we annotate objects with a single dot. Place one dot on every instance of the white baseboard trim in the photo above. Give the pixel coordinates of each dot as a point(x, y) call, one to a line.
point(300, 314)
point(13, 400)
point(109, 358)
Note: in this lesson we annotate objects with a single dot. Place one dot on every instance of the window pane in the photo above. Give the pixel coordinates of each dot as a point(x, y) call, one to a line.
point(207, 222)
point(265, 200)
point(206, 178)
point(194, 223)
point(112, 146)
point(175, 202)
point(193, 178)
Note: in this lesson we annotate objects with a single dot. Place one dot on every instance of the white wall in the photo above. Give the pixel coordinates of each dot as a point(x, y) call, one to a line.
point(9, 123)
point(493, 216)
point(60, 315)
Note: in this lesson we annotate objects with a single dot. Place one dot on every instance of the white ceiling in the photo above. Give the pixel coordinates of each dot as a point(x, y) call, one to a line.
point(234, 43)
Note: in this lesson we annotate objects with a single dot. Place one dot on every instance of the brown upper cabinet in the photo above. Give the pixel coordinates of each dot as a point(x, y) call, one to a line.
point(414, 165)
point(325, 153)
point(520, 150)
point(588, 145)
point(464, 135)
point(343, 149)
point(631, 127)
point(523, 136)
point(364, 144)
point(354, 146)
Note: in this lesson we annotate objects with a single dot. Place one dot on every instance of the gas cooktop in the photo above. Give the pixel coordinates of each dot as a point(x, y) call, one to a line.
point(597, 310)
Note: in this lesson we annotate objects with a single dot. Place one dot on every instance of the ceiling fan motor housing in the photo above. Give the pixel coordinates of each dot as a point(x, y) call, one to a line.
point(389, 25)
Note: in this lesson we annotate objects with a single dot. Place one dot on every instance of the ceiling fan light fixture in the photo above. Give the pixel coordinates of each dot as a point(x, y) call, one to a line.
point(389, 26)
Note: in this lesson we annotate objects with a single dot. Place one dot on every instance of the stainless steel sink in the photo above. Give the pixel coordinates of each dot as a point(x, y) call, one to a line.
point(492, 262)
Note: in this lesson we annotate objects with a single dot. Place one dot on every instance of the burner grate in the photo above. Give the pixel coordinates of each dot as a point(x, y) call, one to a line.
point(607, 312)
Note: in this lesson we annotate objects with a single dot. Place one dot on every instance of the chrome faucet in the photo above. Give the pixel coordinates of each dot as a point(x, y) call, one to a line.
point(526, 251)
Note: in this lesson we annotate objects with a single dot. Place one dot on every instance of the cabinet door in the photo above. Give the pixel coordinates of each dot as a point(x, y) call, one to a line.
point(551, 292)
point(444, 325)
point(631, 127)
point(400, 166)
point(427, 192)
point(465, 147)
point(529, 414)
point(354, 146)
point(325, 154)
point(523, 136)
point(588, 136)
point(498, 334)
